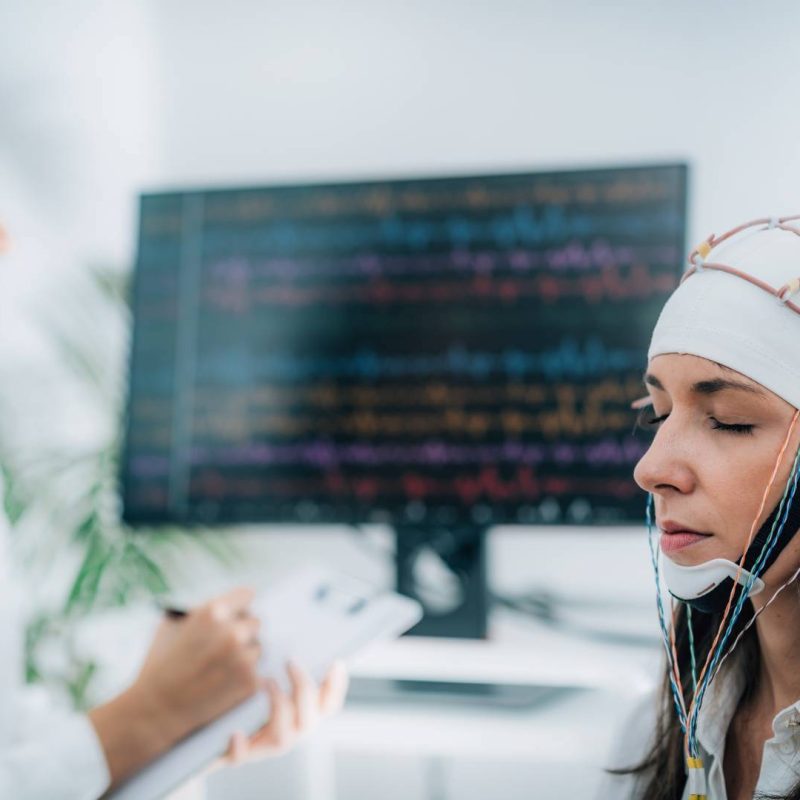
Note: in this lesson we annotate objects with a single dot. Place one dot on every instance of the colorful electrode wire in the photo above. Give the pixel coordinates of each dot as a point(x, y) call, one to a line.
point(728, 622)
point(769, 546)
point(688, 718)
point(672, 670)
point(698, 256)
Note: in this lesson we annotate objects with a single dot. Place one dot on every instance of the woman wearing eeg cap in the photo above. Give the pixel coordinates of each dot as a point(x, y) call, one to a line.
point(723, 378)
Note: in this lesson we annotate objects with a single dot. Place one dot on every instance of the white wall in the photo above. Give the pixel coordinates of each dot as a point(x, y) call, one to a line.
point(101, 99)
point(79, 132)
point(79, 121)
point(266, 90)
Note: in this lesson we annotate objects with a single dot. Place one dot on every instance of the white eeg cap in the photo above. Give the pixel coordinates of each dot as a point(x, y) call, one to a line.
point(727, 319)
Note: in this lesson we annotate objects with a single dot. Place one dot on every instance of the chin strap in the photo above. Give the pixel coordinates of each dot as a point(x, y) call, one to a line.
point(707, 586)
point(715, 601)
point(761, 555)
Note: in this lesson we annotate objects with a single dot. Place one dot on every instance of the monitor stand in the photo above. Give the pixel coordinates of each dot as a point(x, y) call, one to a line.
point(426, 558)
point(455, 558)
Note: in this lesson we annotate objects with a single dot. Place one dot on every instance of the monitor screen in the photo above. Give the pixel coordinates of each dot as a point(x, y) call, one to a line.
point(458, 350)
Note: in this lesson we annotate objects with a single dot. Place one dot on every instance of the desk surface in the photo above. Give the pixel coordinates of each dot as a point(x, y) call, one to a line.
point(520, 650)
point(608, 680)
point(576, 726)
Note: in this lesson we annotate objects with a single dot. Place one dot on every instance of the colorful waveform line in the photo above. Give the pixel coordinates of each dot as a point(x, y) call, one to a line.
point(570, 360)
point(637, 283)
point(322, 454)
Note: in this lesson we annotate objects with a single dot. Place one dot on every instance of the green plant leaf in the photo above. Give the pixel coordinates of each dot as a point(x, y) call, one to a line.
point(83, 592)
point(79, 684)
point(13, 504)
point(147, 570)
point(113, 284)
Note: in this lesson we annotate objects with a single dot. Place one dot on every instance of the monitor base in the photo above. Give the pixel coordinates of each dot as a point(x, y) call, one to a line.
point(512, 696)
point(462, 551)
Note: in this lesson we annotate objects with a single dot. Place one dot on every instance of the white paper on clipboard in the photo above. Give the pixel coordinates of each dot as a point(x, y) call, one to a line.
point(312, 616)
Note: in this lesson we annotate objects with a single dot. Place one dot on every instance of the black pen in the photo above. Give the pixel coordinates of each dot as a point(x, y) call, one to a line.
point(171, 612)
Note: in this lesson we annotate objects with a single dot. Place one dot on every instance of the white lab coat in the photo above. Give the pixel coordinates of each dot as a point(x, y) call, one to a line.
point(46, 753)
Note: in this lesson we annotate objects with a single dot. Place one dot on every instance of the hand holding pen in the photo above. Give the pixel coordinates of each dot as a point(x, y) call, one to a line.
point(292, 715)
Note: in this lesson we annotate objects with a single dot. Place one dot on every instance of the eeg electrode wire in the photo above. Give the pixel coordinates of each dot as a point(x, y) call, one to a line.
point(688, 719)
point(728, 623)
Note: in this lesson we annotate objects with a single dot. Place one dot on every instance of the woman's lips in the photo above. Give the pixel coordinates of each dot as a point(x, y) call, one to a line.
point(677, 540)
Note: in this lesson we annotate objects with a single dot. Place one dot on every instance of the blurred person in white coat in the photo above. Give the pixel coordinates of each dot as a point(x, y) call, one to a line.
point(196, 668)
point(82, 124)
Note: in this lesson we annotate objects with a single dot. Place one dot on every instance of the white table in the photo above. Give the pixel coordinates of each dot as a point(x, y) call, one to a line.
point(442, 752)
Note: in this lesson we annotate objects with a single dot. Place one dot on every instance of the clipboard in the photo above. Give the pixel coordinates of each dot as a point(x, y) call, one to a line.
point(312, 616)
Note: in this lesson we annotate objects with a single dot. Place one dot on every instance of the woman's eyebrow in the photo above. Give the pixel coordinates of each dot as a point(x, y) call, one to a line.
point(711, 387)
point(651, 380)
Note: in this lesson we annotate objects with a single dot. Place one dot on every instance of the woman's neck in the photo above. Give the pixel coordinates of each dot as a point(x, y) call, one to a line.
point(778, 631)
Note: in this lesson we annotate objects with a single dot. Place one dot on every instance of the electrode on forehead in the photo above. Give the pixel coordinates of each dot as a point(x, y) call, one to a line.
point(698, 260)
point(789, 290)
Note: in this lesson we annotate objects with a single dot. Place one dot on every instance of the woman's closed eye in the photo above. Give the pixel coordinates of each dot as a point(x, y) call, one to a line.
point(646, 418)
point(731, 427)
point(717, 425)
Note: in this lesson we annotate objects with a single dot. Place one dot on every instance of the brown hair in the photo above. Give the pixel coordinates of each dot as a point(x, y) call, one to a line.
point(662, 772)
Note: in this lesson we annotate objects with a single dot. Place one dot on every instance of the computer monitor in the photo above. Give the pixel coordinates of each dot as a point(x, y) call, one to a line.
point(437, 354)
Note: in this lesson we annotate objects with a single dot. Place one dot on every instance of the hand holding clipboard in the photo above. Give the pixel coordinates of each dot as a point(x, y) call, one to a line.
point(312, 618)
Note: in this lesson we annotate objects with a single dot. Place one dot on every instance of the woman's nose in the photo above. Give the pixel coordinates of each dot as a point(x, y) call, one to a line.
point(665, 466)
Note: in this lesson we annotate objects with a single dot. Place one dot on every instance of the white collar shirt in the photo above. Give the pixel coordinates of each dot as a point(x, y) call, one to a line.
point(780, 763)
point(46, 753)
